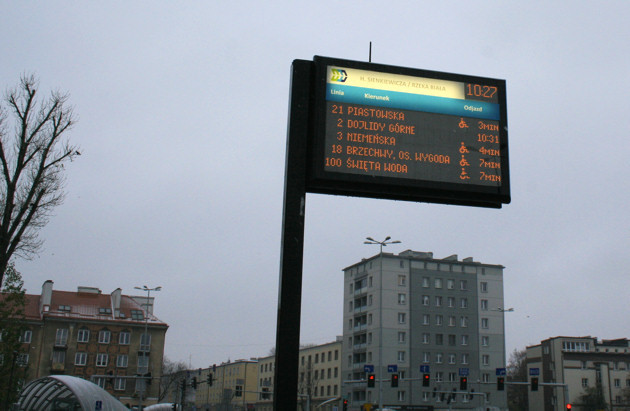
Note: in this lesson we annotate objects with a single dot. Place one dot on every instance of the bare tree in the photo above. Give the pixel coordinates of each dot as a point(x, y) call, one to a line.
point(517, 372)
point(171, 374)
point(32, 157)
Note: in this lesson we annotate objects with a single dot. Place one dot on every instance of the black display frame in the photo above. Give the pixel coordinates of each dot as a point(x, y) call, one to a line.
point(318, 180)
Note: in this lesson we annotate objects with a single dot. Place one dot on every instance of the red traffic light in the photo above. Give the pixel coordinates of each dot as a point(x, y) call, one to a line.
point(370, 381)
point(394, 380)
point(568, 406)
point(426, 380)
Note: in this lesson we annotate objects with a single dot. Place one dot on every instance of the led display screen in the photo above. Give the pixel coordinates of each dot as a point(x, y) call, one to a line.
point(391, 132)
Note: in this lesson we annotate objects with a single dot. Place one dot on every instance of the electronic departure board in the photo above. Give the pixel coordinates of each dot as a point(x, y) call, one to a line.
point(391, 132)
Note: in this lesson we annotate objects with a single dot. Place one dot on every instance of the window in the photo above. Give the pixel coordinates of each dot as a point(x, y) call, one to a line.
point(426, 319)
point(80, 358)
point(452, 377)
point(452, 358)
point(485, 359)
point(581, 346)
point(401, 396)
point(438, 283)
point(145, 343)
point(451, 302)
point(464, 358)
point(439, 376)
point(402, 280)
point(58, 356)
point(101, 360)
point(451, 321)
point(124, 338)
point(425, 300)
point(438, 301)
point(483, 287)
point(452, 339)
point(463, 322)
point(401, 356)
point(425, 282)
point(584, 382)
point(83, 335)
point(485, 377)
point(426, 338)
point(143, 363)
point(64, 308)
point(26, 336)
point(123, 360)
point(463, 303)
point(463, 285)
point(484, 305)
point(138, 315)
point(426, 357)
point(22, 360)
point(425, 396)
point(450, 284)
point(402, 336)
point(485, 323)
point(617, 383)
point(485, 340)
point(464, 339)
point(402, 299)
point(438, 358)
point(61, 339)
point(439, 319)
point(439, 339)
point(104, 311)
point(104, 336)
point(401, 318)
point(120, 384)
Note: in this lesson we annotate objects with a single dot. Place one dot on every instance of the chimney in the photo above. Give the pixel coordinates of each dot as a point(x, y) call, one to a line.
point(116, 295)
point(46, 297)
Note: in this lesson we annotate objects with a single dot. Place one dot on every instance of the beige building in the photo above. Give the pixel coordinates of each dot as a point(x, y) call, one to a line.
point(96, 336)
point(319, 378)
point(570, 367)
point(233, 387)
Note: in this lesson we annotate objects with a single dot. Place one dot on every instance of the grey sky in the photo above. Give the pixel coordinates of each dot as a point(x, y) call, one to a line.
point(182, 125)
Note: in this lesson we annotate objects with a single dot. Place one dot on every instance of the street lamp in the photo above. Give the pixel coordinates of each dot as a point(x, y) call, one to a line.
point(503, 311)
point(146, 332)
point(384, 243)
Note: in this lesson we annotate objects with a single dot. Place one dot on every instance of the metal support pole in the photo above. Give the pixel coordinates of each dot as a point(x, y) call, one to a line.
point(292, 246)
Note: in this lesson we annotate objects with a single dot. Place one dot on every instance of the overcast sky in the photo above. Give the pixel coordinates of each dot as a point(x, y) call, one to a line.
point(182, 127)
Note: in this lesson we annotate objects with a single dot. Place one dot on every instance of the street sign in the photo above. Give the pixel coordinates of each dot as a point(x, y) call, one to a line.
point(501, 372)
point(425, 369)
point(464, 372)
point(368, 368)
point(534, 371)
point(392, 368)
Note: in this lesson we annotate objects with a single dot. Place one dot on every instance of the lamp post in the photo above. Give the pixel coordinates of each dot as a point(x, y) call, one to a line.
point(503, 311)
point(146, 333)
point(384, 243)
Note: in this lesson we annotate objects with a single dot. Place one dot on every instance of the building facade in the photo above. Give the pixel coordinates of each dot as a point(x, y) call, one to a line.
point(111, 340)
point(569, 368)
point(230, 386)
point(319, 378)
point(411, 314)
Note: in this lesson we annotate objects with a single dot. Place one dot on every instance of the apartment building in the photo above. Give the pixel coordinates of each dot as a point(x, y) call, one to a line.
point(319, 378)
point(570, 368)
point(232, 385)
point(414, 315)
point(110, 339)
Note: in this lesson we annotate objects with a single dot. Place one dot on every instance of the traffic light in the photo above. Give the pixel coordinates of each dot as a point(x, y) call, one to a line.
point(500, 383)
point(426, 380)
point(463, 383)
point(394, 380)
point(210, 378)
point(568, 406)
point(194, 383)
point(345, 405)
point(370, 381)
point(534, 383)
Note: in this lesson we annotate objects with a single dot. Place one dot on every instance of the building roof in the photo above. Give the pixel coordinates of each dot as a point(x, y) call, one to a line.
point(89, 303)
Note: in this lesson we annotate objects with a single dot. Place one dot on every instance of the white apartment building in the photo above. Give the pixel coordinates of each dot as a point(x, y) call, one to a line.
point(570, 367)
point(418, 315)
